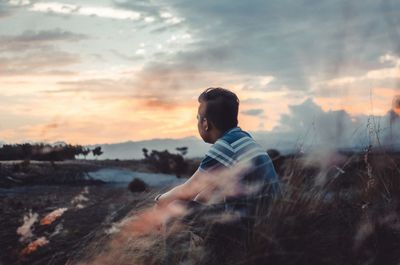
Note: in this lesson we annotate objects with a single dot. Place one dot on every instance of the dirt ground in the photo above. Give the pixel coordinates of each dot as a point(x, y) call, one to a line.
point(78, 215)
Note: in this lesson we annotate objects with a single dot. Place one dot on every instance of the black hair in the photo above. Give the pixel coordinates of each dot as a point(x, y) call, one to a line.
point(222, 107)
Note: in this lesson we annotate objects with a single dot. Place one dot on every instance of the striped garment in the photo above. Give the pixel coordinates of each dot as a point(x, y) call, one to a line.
point(236, 146)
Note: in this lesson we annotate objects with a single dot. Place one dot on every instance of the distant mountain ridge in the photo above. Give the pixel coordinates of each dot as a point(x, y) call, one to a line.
point(197, 148)
point(285, 142)
point(133, 149)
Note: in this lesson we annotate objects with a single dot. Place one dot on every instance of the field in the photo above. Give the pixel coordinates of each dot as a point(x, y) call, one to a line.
point(342, 209)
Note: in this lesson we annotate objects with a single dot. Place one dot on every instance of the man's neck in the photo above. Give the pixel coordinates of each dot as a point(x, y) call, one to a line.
point(215, 135)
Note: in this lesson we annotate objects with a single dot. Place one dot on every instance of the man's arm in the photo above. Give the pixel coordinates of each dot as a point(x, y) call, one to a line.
point(188, 190)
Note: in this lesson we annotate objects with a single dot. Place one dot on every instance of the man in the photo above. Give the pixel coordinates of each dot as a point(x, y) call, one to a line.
point(236, 170)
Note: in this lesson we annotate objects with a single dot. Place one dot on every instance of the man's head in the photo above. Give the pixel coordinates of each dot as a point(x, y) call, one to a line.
point(217, 113)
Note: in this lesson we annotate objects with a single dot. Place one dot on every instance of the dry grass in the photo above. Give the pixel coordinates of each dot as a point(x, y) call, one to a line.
point(342, 214)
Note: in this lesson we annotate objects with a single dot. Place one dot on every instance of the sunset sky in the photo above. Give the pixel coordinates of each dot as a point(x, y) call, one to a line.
point(103, 71)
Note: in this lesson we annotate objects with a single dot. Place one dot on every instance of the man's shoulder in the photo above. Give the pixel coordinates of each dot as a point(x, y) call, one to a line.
point(234, 136)
point(227, 149)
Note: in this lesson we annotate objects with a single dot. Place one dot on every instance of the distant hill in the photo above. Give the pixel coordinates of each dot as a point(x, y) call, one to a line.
point(323, 136)
point(133, 150)
point(196, 147)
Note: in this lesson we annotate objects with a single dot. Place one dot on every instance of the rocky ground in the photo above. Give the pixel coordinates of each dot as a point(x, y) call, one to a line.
point(53, 224)
point(50, 212)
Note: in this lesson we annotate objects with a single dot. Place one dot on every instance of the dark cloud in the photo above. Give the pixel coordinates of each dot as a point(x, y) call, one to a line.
point(4, 12)
point(36, 53)
point(48, 36)
point(170, 78)
point(38, 39)
point(157, 83)
point(111, 90)
point(143, 6)
point(253, 112)
point(291, 40)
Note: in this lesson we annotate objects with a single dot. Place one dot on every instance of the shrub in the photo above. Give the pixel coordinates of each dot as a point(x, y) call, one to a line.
point(137, 185)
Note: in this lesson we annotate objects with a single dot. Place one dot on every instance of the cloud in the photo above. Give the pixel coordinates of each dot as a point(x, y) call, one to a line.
point(73, 9)
point(4, 13)
point(152, 11)
point(5, 10)
point(368, 92)
point(97, 88)
point(263, 83)
point(46, 62)
point(331, 128)
point(150, 8)
point(307, 127)
point(162, 85)
point(133, 58)
point(19, 2)
point(381, 73)
point(156, 82)
point(73, 90)
point(133, 93)
point(138, 11)
point(37, 40)
point(81, 10)
point(47, 36)
point(253, 112)
point(35, 53)
point(281, 39)
point(252, 101)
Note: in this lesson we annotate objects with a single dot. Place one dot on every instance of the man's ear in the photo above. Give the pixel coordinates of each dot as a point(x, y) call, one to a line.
point(207, 124)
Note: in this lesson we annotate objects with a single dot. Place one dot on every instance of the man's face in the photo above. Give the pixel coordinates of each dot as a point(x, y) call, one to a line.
point(202, 123)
